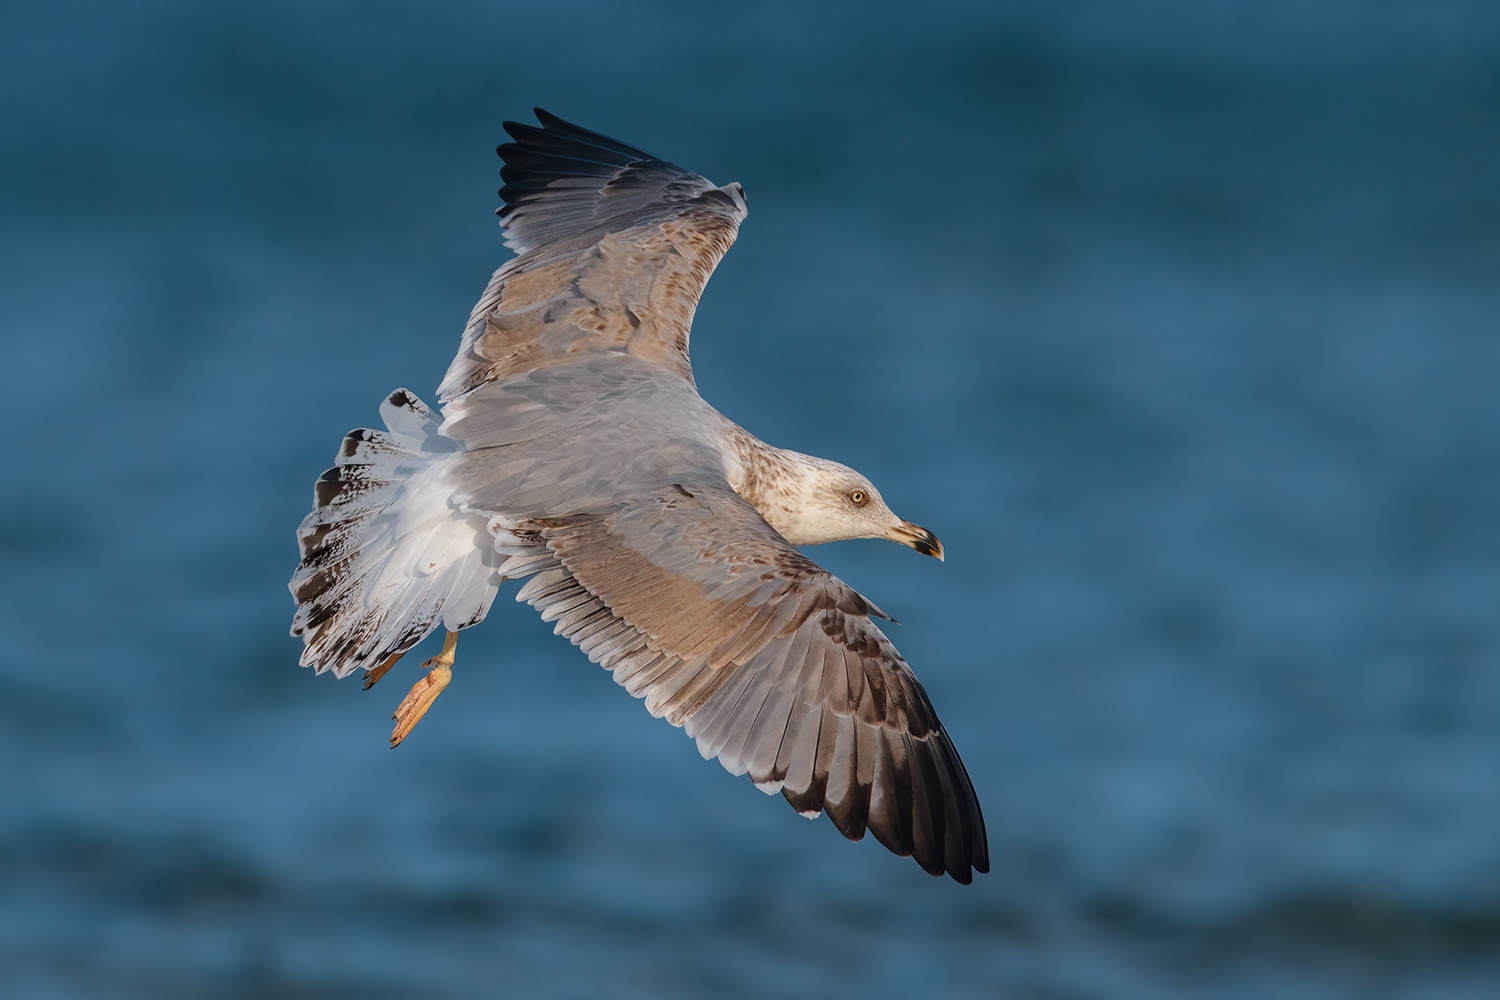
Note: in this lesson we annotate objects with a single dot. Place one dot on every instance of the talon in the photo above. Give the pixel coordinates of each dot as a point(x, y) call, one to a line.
point(425, 691)
point(375, 673)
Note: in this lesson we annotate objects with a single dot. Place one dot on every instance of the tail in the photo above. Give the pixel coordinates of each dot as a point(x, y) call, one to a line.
point(385, 556)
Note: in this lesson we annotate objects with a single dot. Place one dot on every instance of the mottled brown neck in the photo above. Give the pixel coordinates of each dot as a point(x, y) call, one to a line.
point(767, 478)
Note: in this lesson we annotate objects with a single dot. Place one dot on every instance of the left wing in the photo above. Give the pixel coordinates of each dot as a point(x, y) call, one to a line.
point(615, 246)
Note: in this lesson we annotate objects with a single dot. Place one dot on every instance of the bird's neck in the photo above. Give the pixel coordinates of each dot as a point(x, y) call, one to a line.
point(774, 481)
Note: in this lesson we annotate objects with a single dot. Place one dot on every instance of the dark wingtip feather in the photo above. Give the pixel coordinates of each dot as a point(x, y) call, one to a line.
point(564, 183)
point(516, 130)
point(554, 128)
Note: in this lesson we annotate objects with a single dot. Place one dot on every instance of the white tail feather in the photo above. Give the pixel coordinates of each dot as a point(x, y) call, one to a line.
point(385, 555)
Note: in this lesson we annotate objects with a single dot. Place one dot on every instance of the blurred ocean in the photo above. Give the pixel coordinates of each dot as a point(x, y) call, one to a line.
point(1178, 322)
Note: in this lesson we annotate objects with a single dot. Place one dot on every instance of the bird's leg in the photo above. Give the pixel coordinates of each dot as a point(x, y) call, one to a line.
point(375, 673)
point(422, 694)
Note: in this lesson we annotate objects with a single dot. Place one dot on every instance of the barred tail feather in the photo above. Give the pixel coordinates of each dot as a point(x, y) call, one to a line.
point(385, 556)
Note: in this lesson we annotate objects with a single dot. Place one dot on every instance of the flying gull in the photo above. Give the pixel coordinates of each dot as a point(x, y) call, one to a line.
point(572, 450)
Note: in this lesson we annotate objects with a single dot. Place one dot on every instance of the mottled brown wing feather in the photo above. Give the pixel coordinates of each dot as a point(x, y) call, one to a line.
point(614, 248)
point(772, 664)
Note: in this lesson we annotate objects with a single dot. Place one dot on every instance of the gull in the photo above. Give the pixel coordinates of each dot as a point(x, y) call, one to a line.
point(572, 450)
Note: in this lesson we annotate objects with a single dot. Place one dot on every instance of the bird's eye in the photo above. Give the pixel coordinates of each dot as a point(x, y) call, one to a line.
point(857, 497)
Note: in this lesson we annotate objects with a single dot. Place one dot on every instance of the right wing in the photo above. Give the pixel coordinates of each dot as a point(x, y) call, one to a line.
point(615, 247)
point(773, 665)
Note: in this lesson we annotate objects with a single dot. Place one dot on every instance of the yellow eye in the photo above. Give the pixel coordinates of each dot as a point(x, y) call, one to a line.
point(857, 497)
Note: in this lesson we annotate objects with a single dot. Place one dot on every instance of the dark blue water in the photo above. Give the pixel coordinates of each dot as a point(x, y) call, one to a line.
point(1179, 323)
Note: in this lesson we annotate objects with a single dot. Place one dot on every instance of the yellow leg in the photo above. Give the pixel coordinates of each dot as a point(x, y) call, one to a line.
point(422, 694)
point(375, 673)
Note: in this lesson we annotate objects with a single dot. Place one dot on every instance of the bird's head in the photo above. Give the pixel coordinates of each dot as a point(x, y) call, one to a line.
point(830, 502)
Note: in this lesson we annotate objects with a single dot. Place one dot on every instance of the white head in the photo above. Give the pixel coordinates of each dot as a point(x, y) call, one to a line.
point(824, 501)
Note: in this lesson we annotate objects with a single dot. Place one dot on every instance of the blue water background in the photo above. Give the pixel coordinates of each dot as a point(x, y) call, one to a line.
point(1178, 322)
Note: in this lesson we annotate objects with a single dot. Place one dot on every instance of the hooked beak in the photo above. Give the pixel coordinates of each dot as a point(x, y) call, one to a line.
point(918, 538)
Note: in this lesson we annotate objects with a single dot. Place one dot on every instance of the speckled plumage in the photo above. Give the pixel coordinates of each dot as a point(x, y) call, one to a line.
point(574, 451)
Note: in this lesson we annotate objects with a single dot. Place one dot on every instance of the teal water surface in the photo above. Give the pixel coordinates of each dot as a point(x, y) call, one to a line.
point(1178, 323)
